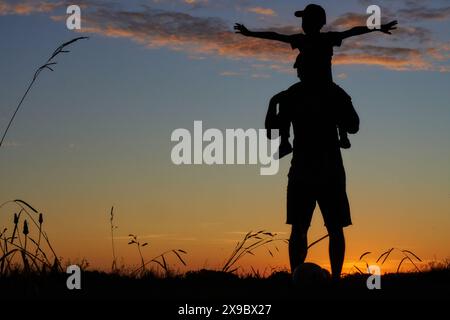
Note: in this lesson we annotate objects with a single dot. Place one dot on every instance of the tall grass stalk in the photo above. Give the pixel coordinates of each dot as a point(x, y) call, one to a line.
point(47, 65)
point(407, 255)
point(31, 251)
point(111, 221)
point(251, 242)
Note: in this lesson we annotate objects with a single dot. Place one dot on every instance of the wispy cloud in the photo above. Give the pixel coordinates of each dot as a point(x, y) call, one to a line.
point(11, 144)
point(440, 52)
point(195, 2)
point(403, 32)
point(27, 7)
point(400, 64)
point(202, 36)
point(282, 68)
point(229, 74)
point(395, 58)
point(425, 13)
point(260, 76)
point(411, 11)
point(182, 31)
point(348, 20)
point(262, 11)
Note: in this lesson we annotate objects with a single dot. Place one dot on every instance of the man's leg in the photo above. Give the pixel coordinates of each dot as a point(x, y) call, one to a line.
point(298, 246)
point(336, 251)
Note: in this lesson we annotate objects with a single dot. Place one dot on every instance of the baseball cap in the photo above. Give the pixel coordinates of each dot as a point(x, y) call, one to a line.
point(313, 11)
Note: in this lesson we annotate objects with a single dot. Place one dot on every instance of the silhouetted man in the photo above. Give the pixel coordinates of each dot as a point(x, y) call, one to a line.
point(316, 52)
point(317, 172)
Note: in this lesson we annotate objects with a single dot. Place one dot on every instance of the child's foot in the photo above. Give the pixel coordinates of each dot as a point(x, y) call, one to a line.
point(284, 149)
point(344, 143)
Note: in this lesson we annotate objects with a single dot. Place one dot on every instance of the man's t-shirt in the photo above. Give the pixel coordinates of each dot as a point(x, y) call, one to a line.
point(317, 156)
point(316, 51)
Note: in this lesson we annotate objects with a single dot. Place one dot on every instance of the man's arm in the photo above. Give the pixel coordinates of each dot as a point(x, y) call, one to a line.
point(356, 31)
point(240, 28)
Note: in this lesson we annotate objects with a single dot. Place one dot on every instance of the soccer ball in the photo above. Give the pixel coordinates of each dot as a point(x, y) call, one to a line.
point(310, 275)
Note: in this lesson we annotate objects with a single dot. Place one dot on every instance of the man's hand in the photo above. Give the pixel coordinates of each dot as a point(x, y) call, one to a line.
point(240, 28)
point(388, 27)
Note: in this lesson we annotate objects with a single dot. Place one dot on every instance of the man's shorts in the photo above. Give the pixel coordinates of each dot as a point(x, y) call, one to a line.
point(330, 194)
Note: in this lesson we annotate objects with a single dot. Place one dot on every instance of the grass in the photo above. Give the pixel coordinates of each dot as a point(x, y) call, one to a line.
point(160, 260)
point(26, 248)
point(407, 255)
point(212, 285)
point(30, 268)
point(48, 65)
point(113, 227)
point(252, 241)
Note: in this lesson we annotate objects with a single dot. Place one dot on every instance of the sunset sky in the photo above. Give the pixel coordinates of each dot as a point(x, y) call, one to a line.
point(96, 132)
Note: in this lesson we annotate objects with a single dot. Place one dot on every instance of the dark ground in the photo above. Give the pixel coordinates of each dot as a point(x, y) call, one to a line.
point(150, 297)
point(205, 285)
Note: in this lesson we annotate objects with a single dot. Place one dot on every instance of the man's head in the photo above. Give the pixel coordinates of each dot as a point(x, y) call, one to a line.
point(309, 75)
point(313, 18)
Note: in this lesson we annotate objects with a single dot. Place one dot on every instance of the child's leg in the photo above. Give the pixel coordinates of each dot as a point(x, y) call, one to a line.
point(346, 117)
point(285, 127)
point(344, 142)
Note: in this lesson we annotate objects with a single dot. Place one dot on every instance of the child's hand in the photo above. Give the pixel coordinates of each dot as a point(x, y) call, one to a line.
point(388, 27)
point(240, 28)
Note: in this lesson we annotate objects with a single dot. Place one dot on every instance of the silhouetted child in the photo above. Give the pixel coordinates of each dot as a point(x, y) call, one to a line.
point(314, 60)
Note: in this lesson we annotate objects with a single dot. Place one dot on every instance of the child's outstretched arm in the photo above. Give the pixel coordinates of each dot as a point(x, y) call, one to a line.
point(240, 28)
point(356, 31)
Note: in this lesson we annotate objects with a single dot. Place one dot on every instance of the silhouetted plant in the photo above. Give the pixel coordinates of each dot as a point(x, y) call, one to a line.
point(135, 241)
point(251, 242)
point(317, 241)
point(33, 255)
point(113, 227)
point(407, 254)
point(160, 259)
point(47, 65)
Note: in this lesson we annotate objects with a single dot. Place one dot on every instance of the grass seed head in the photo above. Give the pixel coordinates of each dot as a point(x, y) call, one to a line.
point(25, 228)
